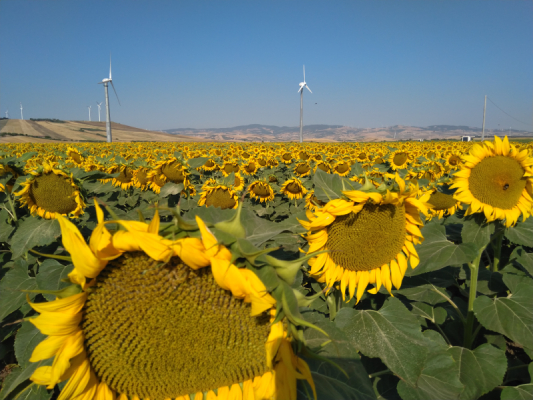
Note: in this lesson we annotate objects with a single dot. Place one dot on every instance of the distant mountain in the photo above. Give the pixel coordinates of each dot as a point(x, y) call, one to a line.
point(336, 133)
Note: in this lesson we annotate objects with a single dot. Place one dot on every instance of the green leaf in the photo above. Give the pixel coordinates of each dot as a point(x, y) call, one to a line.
point(327, 186)
point(28, 337)
point(522, 233)
point(392, 334)
point(171, 188)
point(476, 231)
point(511, 316)
point(522, 392)
point(11, 286)
point(481, 370)
point(17, 381)
point(330, 382)
point(34, 232)
point(437, 251)
point(440, 376)
point(435, 315)
point(524, 259)
point(425, 293)
point(197, 162)
point(50, 276)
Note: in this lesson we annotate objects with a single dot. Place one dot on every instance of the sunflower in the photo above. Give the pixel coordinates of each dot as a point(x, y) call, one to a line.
point(286, 158)
point(75, 155)
point(293, 188)
point(324, 166)
point(312, 202)
point(125, 178)
point(399, 159)
point(453, 160)
point(261, 191)
point(162, 319)
point(442, 204)
point(209, 165)
point(342, 168)
point(368, 239)
point(168, 171)
point(219, 196)
point(496, 179)
point(49, 192)
point(140, 178)
point(250, 168)
point(302, 169)
point(230, 167)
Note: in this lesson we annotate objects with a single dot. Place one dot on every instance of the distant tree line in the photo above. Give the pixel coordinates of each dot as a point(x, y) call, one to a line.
point(57, 121)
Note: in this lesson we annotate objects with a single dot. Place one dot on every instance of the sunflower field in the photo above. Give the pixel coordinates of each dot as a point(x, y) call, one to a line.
point(250, 271)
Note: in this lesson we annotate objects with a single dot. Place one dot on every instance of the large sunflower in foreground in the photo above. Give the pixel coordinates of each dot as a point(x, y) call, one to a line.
point(369, 239)
point(160, 319)
point(49, 192)
point(496, 179)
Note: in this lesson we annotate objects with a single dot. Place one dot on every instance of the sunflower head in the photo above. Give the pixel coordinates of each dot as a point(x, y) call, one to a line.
point(195, 323)
point(399, 159)
point(219, 196)
point(49, 192)
point(342, 168)
point(302, 169)
point(496, 179)
point(261, 191)
point(369, 237)
point(293, 188)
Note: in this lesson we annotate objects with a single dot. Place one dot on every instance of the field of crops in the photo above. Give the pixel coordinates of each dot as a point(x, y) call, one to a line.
point(194, 271)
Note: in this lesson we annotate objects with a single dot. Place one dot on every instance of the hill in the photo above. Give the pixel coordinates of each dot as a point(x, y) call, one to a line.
point(55, 131)
point(338, 133)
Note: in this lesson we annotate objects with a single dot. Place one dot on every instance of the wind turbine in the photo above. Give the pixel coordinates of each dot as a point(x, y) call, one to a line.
point(21, 115)
point(301, 91)
point(89, 107)
point(108, 120)
point(7, 113)
point(98, 104)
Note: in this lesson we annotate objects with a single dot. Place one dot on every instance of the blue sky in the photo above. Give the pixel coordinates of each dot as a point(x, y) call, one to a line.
point(204, 64)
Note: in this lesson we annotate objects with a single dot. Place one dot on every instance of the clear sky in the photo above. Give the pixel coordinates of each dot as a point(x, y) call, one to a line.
point(216, 64)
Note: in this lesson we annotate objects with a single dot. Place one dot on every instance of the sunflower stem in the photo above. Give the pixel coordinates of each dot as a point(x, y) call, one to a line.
point(375, 374)
point(459, 313)
point(497, 248)
point(12, 205)
point(474, 270)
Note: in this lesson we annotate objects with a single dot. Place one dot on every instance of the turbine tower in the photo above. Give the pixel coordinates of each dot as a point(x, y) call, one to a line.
point(21, 114)
point(105, 82)
point(89, 107)
point(7, 113)
point(98, 104)
point(301, 91)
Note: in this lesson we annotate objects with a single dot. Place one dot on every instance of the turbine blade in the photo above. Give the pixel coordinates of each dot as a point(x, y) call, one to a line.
point(109, 66)
point(304, 73)
point(299, 90)
point(115, 93)
point(308, 88)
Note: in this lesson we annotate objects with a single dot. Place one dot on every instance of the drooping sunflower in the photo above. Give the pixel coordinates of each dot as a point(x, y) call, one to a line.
point(140, 178)
point(342, 168)
point(250, 168)
point(210, 165)
point(324, 166)
point(49, 192)
point(312, 202)
point(261, 191)
point(369, 238)
point(293, 188)
point(442, 204)
point(286, 157)
point(496, 179)
point(230, 167)
point(125, 178)
point(75, 155)
point(302, 169)
point(149, 318)
point(219, 196)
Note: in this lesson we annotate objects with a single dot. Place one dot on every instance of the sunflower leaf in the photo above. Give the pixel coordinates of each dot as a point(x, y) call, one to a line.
point(171, 188)
point(28, 337)
point(511, 316)
point(481, 370)
point(522, 392)
point(392, 334)
point(437, 251)
point(475, 231)
point(327, 186)
point(50, 276)
point(522, 233)
point(197, 162)
point(11, 286)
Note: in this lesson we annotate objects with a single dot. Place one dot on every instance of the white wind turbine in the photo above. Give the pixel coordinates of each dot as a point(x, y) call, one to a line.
point(21, 114)
point(98, 104)
point(108, 114)
point(89, 107)
point(301, 91)
point(7, 113)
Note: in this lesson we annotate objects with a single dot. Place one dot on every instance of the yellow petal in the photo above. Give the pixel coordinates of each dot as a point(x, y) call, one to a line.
point(57, 323)
point(99, 212)
point(77, 382)
point(361, 284)
point(42, 375)
point(104, 393)
point(154, 224)
point(68, 305)
point(70, 348)
point(47, 348)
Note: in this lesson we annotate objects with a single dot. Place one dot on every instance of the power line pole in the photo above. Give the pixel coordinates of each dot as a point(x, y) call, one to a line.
point(484, 110)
